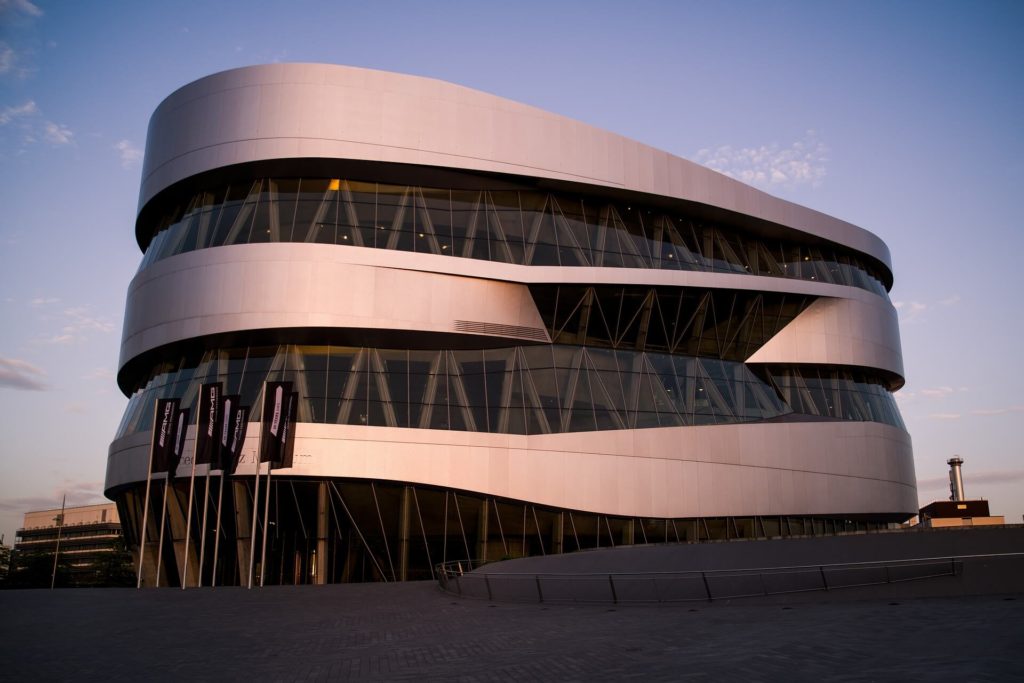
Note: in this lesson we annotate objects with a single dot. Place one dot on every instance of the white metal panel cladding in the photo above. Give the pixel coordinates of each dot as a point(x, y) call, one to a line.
point(267, 286)
point(283, 111)
point(808, 468)
point(808, 465)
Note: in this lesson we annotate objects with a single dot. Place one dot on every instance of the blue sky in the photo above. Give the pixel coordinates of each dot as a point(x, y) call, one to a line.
point(903, 118)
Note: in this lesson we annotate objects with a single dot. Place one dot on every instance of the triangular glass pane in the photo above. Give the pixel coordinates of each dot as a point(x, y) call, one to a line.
point(354, 410)
point(542, 239)
point(459, 410)
point(544, 380)
point(242, 224)
point(396, 215)
point(422, 377)
point(474, 383)
point(573, 229)
point(606, 390)
point(465, 208)
point(536, 419)
point(581, 417)
point(497, 366)
point(603, 314)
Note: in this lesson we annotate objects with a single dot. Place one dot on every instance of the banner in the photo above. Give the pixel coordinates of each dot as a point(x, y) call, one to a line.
point(208, 434)
point(239, 425)
point(288, 432)
point(178, 443)
point(275, 397)
point(225, 427)
point(164, 433)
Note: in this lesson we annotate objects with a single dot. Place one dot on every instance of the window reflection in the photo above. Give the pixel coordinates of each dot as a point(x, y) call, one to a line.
point(522, 227)
point(517, 390)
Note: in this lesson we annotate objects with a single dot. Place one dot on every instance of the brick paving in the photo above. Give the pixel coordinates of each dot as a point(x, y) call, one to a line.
point(413, 631)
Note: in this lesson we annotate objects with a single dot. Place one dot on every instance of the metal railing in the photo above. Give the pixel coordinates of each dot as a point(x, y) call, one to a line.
point(459, 578)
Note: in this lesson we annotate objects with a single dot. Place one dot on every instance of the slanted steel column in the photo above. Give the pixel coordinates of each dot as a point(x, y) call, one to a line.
point(322, 531)
point(240, 494)
point(403, 534)
point(482, 532)
point(558, 534)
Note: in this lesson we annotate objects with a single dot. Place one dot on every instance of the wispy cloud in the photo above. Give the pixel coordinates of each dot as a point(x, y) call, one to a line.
point(79, 322)
point(83, 320)
point(25, 7)
point(129, 153)
point(44, 300)
point(57, 133)
point(9, 114)
point(8, 59)
point(30, 121)
point(77, 492)
point(911, 310)
point(942, 392)
point(998, 411)
point(100, 374)
point(800, 163)
point(21, 375)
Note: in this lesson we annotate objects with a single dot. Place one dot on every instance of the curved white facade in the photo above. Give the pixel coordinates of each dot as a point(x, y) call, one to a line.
point(715, 352)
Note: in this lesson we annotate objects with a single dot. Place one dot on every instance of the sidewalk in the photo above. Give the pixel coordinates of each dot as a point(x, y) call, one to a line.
point(412, 631)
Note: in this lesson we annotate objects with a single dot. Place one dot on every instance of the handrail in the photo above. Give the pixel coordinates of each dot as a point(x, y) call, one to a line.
point(475, 564)
point(815, 577)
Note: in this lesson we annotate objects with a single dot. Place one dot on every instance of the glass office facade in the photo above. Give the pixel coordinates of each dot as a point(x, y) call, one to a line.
point(523, 227)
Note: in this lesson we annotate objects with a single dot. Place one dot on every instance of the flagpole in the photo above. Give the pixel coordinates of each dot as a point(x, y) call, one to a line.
point(216, 533)
point(266, 525)
point(160, 543)
point(225, 454)
point(191, 494)
point(202, 540)
point(255, 507)
point(56, 551)
point(145, 509)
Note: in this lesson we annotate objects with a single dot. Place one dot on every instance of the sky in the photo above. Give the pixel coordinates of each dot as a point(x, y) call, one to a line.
point(901, 117)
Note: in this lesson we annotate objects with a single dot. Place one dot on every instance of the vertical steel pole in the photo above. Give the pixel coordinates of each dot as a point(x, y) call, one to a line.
point(56, 551)
point(191, 497)
point(216, 531)
point(255, 507)
point(160, 543)
point(145, 507)
point(266, 525)
point(202, 533)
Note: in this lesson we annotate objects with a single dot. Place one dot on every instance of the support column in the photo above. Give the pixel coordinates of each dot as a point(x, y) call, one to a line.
point(403, 534)
point(322, 530)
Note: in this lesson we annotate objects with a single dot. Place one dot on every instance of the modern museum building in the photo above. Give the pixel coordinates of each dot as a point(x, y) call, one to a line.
point(511, 333)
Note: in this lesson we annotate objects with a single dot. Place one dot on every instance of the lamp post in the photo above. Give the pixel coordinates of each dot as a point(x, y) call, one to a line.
point(56, 553)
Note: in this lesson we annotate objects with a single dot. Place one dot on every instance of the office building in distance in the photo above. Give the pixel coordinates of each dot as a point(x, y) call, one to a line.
point(511, 333)
point(85, 539)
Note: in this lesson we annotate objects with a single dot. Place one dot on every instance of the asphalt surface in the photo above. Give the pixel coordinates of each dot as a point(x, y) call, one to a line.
point(413, 631)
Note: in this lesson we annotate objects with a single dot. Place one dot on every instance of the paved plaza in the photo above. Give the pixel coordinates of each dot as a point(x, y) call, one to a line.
point(413, 631)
